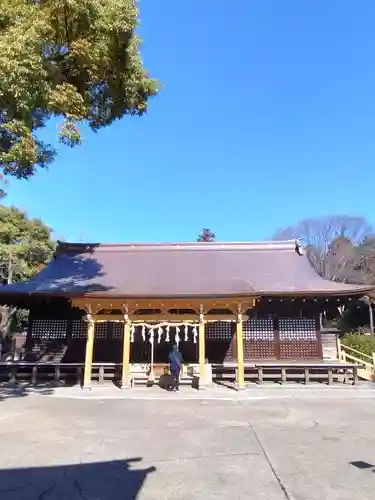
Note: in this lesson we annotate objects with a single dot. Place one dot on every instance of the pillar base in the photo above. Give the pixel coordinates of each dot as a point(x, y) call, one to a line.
point(205, 381)
point(203, 386)
point(126, 383)
point(240, 387)
point(86, 387)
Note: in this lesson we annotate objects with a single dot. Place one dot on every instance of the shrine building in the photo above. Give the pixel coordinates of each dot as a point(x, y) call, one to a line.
point(224, 304)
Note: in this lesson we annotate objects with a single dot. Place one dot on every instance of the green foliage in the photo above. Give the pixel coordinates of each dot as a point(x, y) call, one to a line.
point(362, 343)
point(78, 59)
point(355, 316)
point(25, 245)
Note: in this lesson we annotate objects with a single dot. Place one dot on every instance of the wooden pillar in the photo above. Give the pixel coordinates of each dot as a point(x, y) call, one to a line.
point(89, 352)
point(240, 373)
point(338, 346)
point(202, 350)
point(125, 375)
point(371, 317)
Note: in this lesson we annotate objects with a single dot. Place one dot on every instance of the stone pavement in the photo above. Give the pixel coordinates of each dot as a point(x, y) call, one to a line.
point(281, 444)
point(265, 391)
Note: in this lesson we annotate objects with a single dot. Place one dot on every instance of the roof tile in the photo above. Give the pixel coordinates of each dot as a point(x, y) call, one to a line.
point(181, 270)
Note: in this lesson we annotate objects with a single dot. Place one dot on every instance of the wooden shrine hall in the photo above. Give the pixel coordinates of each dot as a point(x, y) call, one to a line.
point(224, 304)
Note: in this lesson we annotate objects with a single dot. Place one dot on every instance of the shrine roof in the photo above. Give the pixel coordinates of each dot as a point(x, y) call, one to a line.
point(180, 270)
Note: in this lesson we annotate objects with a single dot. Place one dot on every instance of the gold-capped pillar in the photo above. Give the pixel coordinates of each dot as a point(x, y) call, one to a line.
point(202, 350)
point(89, 352)
point(125, 374)
point(240, 374)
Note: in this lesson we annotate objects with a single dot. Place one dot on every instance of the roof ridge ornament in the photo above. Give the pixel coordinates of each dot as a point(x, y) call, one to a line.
point(299, 247)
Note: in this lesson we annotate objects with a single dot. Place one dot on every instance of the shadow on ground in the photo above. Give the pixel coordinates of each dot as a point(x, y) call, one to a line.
point(360, 464)
point(228, 384)
point(8, 391)
point(100, 480)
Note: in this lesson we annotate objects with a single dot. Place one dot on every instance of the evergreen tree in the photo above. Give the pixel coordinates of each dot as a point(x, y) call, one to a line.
point(75, 59)
point(25, 247)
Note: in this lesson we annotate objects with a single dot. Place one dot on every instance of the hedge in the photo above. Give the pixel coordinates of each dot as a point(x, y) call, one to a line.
point(362, 343)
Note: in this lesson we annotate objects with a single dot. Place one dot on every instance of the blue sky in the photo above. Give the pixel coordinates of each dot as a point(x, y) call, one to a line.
point(267, 116)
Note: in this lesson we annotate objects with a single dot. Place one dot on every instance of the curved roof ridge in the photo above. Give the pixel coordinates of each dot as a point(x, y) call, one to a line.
point(225, 245)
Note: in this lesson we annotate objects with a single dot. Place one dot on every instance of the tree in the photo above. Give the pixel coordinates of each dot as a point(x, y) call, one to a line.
point(206, 235)
point(25, 247)
point(75, 59)
point(334, 244)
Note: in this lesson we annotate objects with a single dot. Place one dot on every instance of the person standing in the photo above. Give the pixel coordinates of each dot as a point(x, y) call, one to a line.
point(175, 364)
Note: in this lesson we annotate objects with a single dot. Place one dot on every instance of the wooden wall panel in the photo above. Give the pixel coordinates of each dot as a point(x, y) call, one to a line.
point(299, 338)
point(264, 338)
point(220, 341)
point(259, 339)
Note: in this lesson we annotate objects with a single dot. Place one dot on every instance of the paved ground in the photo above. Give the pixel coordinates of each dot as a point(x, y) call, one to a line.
point(292, 444)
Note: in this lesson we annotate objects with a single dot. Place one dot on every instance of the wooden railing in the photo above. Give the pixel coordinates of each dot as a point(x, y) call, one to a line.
point(348, 354)
point(72, 373)
point(35, 373)
point(290, 372)
point(49, 372)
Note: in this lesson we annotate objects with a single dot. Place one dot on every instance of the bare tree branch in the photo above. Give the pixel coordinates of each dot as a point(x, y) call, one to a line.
point(339, 246)
point(320, 232)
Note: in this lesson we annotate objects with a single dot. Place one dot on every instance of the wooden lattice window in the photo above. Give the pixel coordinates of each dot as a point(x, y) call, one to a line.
point(258, 329)
point(296, 329)
point(220, 341)
point(219, 330)
point(79, 329)
point(101, 330)
point(49, 329)
point(109, 330)
point(117, 330)
point(259, 339)
point(298, 338)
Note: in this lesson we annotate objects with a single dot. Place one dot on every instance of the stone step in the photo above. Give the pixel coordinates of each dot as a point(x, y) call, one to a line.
point(185, 381)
